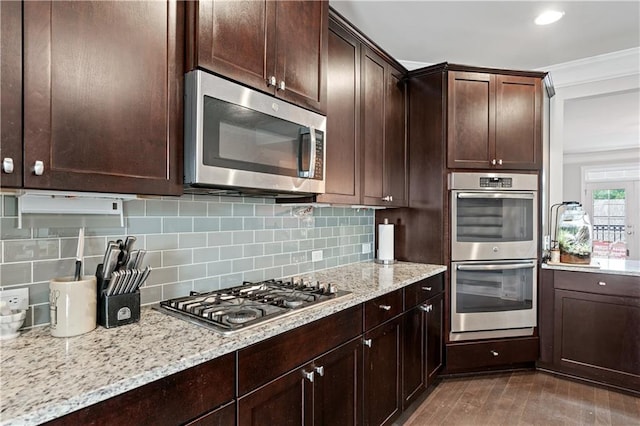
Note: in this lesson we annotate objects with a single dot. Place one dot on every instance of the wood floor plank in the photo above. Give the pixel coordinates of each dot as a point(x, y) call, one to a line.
point(524, 398)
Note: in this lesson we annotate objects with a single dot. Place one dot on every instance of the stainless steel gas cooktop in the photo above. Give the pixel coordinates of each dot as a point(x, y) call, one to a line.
point(237, 308)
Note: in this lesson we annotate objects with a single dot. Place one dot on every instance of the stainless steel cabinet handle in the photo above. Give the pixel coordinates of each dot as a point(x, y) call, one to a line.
point(499, 267)
point(602, 283)
point(308, 375)
point(429, 308)
point(426, 288)
point(387, 198)
point(367, 342)
point(320, 371)
point(38, 168)
point(425, 308)
point(7, 165)
point(494, 353)
point(493, 162)
point(500, 162)
point(282, 86)
point(385, 307)
point(271, 81)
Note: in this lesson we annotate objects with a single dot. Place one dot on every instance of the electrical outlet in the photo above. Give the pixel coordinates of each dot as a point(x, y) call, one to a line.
point(16, 299)
point(316, 256)
point(366, 248)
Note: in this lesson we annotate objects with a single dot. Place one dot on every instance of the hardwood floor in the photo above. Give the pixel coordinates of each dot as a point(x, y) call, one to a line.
point(523, 398)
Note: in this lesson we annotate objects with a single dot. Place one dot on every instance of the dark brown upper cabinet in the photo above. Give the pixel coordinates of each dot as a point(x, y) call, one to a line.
point(11, 93)
point(279, 47)
point(383, 132)
point(103, 89)
point(494, 121)
point(343, 119)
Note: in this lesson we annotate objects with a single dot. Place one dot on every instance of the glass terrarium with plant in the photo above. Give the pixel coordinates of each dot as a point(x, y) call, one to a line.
point(575, 236)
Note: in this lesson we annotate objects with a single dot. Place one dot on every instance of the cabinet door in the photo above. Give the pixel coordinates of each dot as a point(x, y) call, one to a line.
point(518, 122)
point(434, 339)
point(222, 416)
point(413, 354)
point(301, 52)
point(234, 39)
point(373, 120)
point(598, 337)
point(338, 386)
point(395, 148)
point(343, 119)
point(11, 92)
point(471, 121)
point(287, 400)
point(382, 390)
point(103, 85)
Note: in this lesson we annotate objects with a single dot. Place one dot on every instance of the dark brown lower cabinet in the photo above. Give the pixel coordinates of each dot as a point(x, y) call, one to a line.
point(222, 416)
point(491, 354)
point(382, 374)
point(422, 348)
point(172, 400)
point(598, 337)
point(326, 391)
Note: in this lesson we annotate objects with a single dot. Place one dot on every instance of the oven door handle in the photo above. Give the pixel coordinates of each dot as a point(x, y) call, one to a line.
point(311, 171)
point(496, 267)
point(525, 196)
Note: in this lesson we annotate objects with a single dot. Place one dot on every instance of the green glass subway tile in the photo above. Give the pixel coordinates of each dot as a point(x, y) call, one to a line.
point(231, 199)
point(150, 294)
point(331, 262)
point(9, 229)
point(231, 280)
point(133, 208)
point(206, 284)
point(242, 265)
point(192, 240)
point(264, 236)
point(254, 223)
point(281, 235)
point(264, 210)
point(281, 259)
point(298, 234)
point(192, 272)
point(28, 250)
point(206, 198)
point(41, 314)
point(290, 270)
point(231, 252)
point(10, 206)
point(179, 289)
point(332, 242)
point(207, 254)
point(289, 246)
point(326, 211)
point(243, 237)
point(319, 243)
point(282, 211)
point(153, 259)
point(38, 292)
point(57, 232)
point(263, 262)
point(306, 244)
point(231, 224)
point(273, 273)
point(206, 224)
point(253, 250)
point(304, 268)
point(273, 248)
point(219, 239)
point(243, 210)
point(177, 257)
point(343, 221)
point(15, 273)
point(320, 222)
point(340, 211)
point(163, 275)
point(273, 223)
point(192, 208)
point(219, 268)
point(219, 209)
point(326, 232)
point(162, 242)
point(143, 225)
point(256, 275)
point(290, 222)
point(177, 224)
point(28, 319)
point(162, 207)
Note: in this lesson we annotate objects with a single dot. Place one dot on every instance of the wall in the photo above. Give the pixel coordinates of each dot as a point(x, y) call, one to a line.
point(194, 243)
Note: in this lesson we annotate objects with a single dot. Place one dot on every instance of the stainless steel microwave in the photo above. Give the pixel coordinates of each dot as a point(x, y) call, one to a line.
point(240, 138)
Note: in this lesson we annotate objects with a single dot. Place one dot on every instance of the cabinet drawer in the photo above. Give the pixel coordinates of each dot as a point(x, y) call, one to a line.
point(294, 348)
point(476, 355)
point(382, 308)
point(588, 282)
point(417, 293)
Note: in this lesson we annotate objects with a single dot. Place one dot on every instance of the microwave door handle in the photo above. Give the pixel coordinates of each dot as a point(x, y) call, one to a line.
point(496, 267)
point(310, 173)
point(525, 196)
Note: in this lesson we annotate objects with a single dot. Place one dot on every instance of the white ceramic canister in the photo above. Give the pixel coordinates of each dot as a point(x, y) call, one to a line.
point(72, 305)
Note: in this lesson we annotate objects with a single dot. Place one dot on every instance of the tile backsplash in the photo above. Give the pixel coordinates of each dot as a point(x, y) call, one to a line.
point(193, 242)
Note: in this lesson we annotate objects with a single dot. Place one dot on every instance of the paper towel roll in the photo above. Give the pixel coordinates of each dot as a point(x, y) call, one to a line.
point(385, 241)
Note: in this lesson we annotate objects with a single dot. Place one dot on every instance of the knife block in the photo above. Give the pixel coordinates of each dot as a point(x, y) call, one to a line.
point(118, 309)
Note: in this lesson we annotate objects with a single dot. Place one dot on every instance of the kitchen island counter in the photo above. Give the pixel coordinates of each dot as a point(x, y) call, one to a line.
point(601, 266)
point(43, 377)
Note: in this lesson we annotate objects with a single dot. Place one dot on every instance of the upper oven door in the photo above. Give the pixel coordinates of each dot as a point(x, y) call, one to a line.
point(492, 225)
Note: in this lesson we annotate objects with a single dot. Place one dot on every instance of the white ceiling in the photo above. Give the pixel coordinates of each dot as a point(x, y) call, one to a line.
point(501, 34)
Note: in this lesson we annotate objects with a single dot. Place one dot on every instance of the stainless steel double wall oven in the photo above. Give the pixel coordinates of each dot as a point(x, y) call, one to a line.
point(494, 234)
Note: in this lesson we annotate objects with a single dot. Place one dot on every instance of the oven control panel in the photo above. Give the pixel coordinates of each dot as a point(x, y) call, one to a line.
point(496, 182)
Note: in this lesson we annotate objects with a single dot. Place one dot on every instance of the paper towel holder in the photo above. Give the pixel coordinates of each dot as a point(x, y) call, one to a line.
point(385, 261)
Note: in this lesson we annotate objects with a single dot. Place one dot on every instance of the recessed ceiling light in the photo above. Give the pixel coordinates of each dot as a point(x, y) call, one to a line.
point(549, 17)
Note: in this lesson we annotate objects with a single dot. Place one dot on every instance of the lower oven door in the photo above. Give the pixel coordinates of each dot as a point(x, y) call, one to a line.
point(494, 295)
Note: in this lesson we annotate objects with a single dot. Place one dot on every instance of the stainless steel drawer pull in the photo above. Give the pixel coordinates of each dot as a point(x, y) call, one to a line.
point(308, 375)
point(385, 307)
point(426, 288)
point(602, 283)
point(493, 162)
point(271, 81)
point(367, 342)
point(424, 308)
point(494, 353)
point(38, 168)
point(282, 86)
point(320, 371)
point(7, 165)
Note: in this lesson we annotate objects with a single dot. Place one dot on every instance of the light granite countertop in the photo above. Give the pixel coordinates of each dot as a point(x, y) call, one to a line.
point(44, 377)
point(601, 266)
